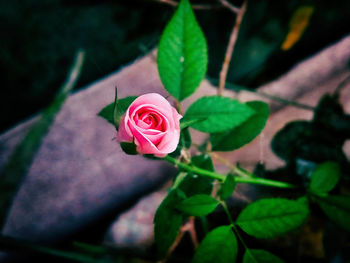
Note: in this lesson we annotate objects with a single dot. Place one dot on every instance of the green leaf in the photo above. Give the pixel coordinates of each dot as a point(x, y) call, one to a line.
point(186, 123)
point(325, 177)
point(198, 205)
point(182, 53)
point(271, 217)
point(219, 246)
point(203, 161)
point(107, 113)
point(193, 184)
point(244, 133)
point(227, 187)
point(129, 148)
point(178, 180)
point(219, 113)
point(260, 256)
point(122, 106)
point(337, 208)
point(167, 222)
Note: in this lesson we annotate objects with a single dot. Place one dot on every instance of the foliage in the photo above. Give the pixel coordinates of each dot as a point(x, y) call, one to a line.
point(232, 124)
point(182, 53)
point(220, 245)
point(198, 190)
point(268, 218)
point(167, 221)
point(217, 114)
point(258, 255)
point(245, 133)
point(325, 177)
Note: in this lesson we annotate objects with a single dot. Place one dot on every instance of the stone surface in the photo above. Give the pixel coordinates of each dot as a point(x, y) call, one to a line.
point(80, 172)
point(134, 228)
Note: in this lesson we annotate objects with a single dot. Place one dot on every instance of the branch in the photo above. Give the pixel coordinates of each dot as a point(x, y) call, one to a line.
point(342, 85)
point(229, 6)
point(188, 227)
point(221, 177)
point(230, 47)
point(197, 7)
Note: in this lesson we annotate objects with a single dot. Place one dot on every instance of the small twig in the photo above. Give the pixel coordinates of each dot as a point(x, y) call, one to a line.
point(173, 246)
point(178, 106)
point(342, 85)
point(192, 231)
point(229, 6)
point(234, 168)
point(275, 98)
point(230, 48)
point(284, 101)
point(168, 2)
point(197, 7)
point(222, 160)
point(188, 227)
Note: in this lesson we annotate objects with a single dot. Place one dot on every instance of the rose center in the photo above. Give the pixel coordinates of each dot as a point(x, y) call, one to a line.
point(149, 120)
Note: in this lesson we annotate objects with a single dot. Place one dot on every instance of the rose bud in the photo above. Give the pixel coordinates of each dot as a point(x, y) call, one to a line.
point(152, 124)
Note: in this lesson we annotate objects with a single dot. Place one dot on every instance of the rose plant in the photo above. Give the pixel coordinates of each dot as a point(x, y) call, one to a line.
point(149, 125)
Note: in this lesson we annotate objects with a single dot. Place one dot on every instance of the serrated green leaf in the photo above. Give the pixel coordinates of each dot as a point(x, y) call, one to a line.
point(244, 133)
point(122, 106)
point(219, 246)
point(271, 217)
point(220, 113)
point(198, 205)
point(337, 208)
point(260, 256)
point(182, 53)
point(227, 187)
point(325, 177)
point(193, 184)
point(203, 161)
point(167, 222)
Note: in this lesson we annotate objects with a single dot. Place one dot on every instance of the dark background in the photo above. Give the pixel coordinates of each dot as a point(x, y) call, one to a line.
point(40, 37)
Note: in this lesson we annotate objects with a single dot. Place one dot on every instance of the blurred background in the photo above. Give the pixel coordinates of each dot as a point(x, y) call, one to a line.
point(40, 37)
point(75, 192)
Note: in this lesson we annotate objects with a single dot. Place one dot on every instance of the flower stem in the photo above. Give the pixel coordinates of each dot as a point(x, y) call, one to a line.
point(221, 177)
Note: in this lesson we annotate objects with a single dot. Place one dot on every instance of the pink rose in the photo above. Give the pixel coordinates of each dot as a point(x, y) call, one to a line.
point(153, 124)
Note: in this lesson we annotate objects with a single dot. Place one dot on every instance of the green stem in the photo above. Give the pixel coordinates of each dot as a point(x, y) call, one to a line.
point(224, 205)
point(221, 177)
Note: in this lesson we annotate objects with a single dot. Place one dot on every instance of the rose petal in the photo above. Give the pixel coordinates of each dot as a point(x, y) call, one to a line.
point(123, 135)
point(153, 124)
point(155, 100)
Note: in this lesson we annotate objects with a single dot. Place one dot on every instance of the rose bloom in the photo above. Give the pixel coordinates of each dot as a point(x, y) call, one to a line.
point(152, 124)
